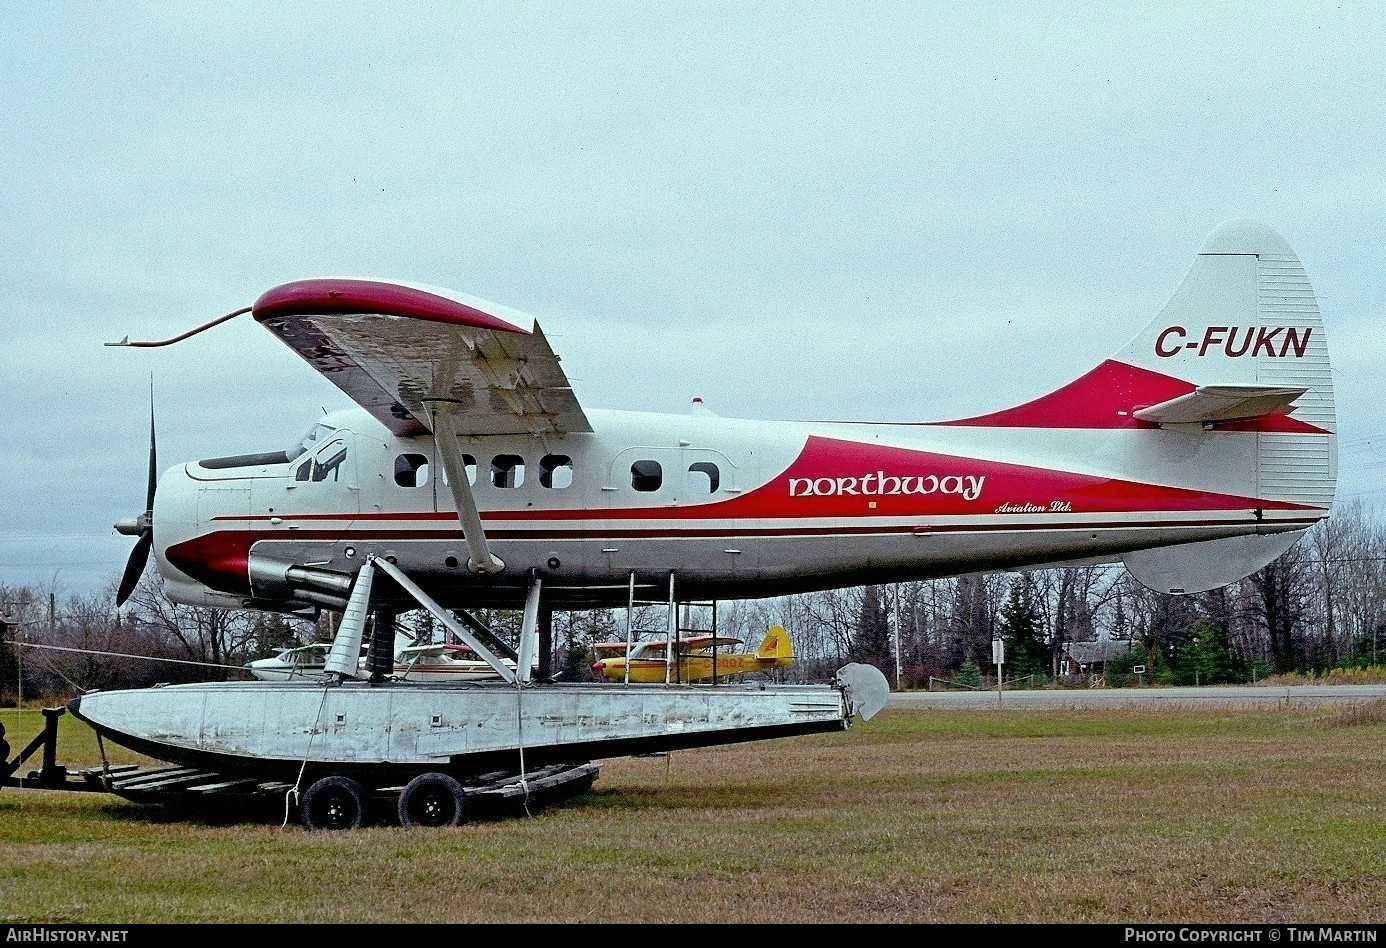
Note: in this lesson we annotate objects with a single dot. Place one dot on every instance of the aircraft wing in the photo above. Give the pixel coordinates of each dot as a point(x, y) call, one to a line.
point(413, 651)
point(322, 647)
point(700, 642)
point(396, 349)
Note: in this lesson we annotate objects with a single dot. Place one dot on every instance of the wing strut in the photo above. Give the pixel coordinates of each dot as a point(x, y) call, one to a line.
point(443, 616)
point(480, 560)
point(345, 655)
point(529, 632)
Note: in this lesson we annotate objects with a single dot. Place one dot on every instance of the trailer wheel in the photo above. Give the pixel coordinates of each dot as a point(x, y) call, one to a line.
point(334, 803)
point(432, 800)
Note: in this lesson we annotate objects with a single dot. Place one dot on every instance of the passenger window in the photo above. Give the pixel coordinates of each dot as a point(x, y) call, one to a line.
point(646, 475)
point(331, 464)
point(411, 470)
point(507, 470)
point(556, 470)
point(469, 466)
point(703, 477)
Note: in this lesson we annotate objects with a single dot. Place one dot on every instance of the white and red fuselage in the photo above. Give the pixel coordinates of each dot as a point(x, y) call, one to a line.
point(736, 508)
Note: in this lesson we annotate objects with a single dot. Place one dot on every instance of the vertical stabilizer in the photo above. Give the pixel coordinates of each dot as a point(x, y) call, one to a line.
point(775, 645)
point(1246, 315)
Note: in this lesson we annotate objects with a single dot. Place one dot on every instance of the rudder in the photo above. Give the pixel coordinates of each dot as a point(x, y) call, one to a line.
point(776, 644)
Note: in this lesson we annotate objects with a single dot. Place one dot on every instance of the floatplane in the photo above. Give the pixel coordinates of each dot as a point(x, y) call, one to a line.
point(470, 475)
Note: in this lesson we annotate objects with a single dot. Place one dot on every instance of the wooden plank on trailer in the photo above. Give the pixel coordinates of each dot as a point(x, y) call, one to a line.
point(223, 785)
point(276, 787)
point(545, 779)
point(179, 781)
point(152, 776)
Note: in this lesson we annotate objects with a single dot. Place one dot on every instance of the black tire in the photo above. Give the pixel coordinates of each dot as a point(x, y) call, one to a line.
point(432, 800)
point(334, 803)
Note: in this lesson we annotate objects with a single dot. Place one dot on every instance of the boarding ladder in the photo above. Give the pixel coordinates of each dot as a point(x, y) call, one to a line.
point(680, 618)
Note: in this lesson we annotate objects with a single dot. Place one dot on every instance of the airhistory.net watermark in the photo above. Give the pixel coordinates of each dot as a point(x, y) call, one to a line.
point(44, 934)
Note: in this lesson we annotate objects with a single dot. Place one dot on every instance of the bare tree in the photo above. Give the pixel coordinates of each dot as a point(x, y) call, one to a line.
point(200, 634)
point(1281, 591)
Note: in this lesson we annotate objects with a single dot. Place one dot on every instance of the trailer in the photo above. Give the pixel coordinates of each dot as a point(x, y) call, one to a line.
point(197, 791)
point(345, 754)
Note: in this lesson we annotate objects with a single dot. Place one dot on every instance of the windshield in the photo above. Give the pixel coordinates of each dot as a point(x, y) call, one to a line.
point(311, 440)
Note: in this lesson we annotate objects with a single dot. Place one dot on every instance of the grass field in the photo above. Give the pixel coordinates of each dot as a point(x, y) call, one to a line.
point(1184, 815)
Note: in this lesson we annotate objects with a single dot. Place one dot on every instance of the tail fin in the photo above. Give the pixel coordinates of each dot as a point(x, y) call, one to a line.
point(1234, 373)
point(1244, 328)
point(1244, 332)
point(776, 645)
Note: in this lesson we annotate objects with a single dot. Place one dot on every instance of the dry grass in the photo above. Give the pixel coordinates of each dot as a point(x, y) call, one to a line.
point(1182, 815)
point(1357, 712)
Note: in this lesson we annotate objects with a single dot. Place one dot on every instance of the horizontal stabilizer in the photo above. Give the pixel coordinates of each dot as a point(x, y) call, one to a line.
point(1210, 403)
point(1210, 564)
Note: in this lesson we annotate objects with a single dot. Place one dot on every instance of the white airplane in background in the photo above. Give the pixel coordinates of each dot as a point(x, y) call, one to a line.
point(292, 664)
point(471, 476)
point(438, 662)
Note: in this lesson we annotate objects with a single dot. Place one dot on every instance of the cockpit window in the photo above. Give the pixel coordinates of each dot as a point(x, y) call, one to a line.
point(328, 464)
point(309, 441)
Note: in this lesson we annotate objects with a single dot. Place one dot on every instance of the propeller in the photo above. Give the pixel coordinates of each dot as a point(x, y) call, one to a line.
point(141, 526)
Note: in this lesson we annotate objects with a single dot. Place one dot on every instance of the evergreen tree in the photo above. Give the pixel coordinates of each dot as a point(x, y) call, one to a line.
point(969, 674)
point(1207, 657)
point(1023, 632)
point(871, 637)
point(969, 623)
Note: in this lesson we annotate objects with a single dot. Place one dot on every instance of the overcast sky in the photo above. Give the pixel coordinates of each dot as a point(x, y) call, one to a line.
point(891, 211)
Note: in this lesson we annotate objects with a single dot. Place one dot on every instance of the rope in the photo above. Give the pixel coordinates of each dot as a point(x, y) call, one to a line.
point(147, 658)
point(59, 672)
point(520, 740)
point(291, 795)
point(19, 694)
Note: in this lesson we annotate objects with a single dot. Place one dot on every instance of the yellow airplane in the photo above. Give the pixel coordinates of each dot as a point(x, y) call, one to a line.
point(648, 660)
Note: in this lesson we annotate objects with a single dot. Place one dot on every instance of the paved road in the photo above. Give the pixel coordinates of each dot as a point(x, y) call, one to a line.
point(1269, 696)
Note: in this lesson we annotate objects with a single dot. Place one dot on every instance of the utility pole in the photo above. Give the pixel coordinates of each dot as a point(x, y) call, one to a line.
point(998, 658)
point(897, 636)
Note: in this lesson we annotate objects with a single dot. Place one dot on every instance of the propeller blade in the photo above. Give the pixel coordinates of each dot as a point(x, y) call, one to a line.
point(153, 458)
point(134, 567)
point(139, 556)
